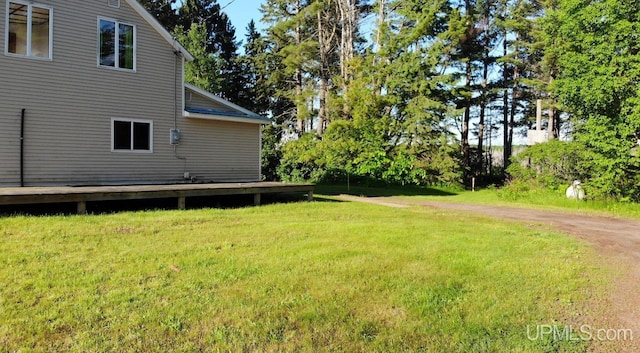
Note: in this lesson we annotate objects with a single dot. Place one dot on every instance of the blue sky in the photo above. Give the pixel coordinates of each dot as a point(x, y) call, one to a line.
point(240, 13)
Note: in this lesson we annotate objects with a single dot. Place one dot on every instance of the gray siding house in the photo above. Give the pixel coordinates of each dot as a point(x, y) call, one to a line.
point(92, 92)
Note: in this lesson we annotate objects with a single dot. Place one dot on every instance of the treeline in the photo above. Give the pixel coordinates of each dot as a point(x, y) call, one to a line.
point(417, 92)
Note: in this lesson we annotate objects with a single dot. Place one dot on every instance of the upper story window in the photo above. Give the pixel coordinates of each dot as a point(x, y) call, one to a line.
point(131, 135)
point(30, 30)
point(117, 47)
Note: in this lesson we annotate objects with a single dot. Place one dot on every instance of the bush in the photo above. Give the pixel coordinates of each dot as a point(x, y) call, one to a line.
point(518, 189)
point(346, 151)
point(300, 160)
point(271, 153)
point(552, 165)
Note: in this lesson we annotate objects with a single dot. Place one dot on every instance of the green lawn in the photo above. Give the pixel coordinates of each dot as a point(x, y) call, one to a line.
point(302, 277)
point(536, 198)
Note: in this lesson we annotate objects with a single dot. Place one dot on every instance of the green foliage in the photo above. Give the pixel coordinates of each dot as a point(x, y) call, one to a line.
point(204, 70)
point(347, 150)
point(294, 51)
point(257, 93)
point(600, 62)
point(401, 170)
point(521, 189)
point(271, 153)
point(439, 164)
point(553, 165)
point(300, 160)
point(394, 105)
point(163, 10)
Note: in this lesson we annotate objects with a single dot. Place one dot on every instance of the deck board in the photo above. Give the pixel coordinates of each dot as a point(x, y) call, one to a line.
point(83, 194)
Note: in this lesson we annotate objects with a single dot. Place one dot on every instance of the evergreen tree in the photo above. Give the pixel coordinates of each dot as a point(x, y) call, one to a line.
point(164, 12)
point(521, 66)
point(219, 42)
point(256, 92)
point(547, 49)
point(290, 33)
point(204, 70)
point(258, 95)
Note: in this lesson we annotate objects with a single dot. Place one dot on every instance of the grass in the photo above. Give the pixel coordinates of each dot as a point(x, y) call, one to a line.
point(533, 198)
point(303, 277)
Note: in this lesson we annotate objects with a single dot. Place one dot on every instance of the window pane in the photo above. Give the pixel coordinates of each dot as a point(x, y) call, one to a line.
point(107, 43)
point(40, 19)
point(122, 135)
point(141, 136)
point(126, 46)
point(18, 28)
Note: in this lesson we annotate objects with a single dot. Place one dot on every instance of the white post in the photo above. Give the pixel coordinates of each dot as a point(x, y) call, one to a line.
point(539, 114)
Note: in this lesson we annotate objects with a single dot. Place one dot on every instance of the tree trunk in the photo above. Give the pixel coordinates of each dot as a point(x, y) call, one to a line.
point(377, 89)
point(348, 20)
point(480, 152)
point(322, 94)
point(484, 94)
point(514, 105)
point(551, 129)
point(327, 29)
point(465, 121)
point(381, 19)
point(554, 119)
point(298, 76)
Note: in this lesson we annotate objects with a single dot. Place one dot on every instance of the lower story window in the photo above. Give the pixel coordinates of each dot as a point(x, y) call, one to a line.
point(132, 135)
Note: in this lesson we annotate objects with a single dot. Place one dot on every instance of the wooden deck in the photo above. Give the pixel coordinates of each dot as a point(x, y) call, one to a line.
point(83, 194)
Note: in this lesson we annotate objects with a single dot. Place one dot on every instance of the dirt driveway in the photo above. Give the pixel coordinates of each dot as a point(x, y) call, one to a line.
point(616, 239)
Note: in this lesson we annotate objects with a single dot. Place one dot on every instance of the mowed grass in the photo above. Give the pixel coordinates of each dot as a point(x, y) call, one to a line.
point(534, 198)
point(302, 277)
point(547, 199)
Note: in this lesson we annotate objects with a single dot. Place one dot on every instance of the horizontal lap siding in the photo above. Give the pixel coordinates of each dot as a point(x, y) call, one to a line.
point(195, 100)
point(70, 101)
point(221, 151)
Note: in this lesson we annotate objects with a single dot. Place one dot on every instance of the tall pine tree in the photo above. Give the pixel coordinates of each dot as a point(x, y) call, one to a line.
point(219, 42)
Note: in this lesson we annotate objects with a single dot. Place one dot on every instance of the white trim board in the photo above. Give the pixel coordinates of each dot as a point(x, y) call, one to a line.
point(159, 28)
point(235, 119)
point(217, 99)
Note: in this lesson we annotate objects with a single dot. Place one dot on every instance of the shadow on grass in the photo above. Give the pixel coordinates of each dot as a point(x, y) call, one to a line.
point(377, 191)
point(268, 199)
point(192, 203)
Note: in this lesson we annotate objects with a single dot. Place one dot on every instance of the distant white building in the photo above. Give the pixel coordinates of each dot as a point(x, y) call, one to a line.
point(538, 135)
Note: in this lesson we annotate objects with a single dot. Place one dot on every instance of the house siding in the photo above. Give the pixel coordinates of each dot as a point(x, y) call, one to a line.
point(235, 146)
point(193, 99)
point(70, 102)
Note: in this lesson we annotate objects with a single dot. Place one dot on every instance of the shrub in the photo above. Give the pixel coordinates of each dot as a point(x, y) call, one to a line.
point(552, 165)
point(347, 151)
point(300, 160)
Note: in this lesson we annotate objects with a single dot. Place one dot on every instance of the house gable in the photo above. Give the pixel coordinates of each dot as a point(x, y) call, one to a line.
point(87, 123)
point(159, 28)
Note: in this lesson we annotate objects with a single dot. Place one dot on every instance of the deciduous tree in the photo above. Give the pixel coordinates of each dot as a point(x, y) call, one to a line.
point(598, 82)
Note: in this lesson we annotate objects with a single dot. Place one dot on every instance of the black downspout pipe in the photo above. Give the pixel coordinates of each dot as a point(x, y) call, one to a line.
point(22, 148)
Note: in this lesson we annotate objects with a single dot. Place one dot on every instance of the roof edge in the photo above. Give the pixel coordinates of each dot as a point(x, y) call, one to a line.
point(219, 99)
point(159, 28)
point(217, 117)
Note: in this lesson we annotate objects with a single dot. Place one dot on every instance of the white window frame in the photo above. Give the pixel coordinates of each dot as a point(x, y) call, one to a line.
point(131, 150)
point(30, 6)
point(117, 47)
